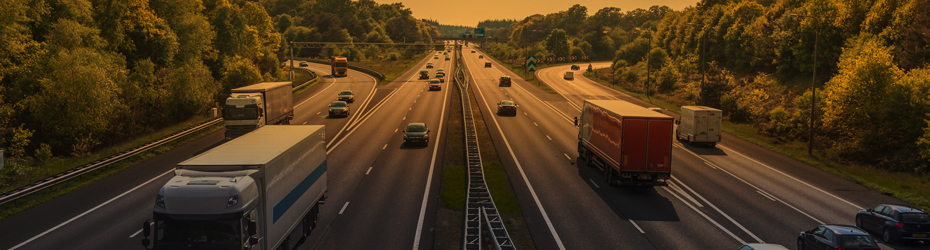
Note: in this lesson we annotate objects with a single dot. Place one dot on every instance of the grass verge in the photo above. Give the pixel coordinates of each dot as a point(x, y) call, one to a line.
point(495, 176)
point(35, 199)
point(450, 219)
point(913, 189)
point(300, 77)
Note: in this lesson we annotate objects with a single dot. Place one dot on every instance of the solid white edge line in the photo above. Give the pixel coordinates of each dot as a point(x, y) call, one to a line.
point(89, 211)
point(741, 241)
point(685, 194)
point(522, 173)
point(429, 178)
point(637, 226)
point(710, 165)
point(792, 177)
point(765, 195)
point(719, 211)
point(317, 93)
point(355, 115)
point(344, 207)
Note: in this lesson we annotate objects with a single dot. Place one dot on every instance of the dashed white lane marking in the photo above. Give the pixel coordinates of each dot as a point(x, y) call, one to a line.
point(385, 146)
point(344, 207)
point(550, 138)
point(536, 124)
point(595, 184)
point(637, 226)
point(369, 170)
point(305, 123)
point(566, 156)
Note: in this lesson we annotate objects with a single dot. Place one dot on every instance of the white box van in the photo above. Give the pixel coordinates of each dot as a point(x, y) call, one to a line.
point(699, 124)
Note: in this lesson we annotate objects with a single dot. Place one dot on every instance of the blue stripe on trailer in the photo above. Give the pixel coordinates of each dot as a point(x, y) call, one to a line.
point(297, 192)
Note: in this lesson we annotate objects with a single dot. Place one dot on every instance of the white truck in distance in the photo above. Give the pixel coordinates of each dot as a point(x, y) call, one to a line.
point(699, 124)
point(260, 191)
point(251, 107)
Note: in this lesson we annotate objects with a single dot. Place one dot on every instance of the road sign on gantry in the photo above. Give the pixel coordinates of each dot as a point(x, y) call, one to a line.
point(531, 63)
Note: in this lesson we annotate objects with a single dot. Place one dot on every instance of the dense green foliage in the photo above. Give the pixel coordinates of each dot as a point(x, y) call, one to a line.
point(449, 29)
point(79, 75)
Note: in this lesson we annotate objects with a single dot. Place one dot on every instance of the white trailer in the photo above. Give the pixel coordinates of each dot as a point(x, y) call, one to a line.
point(260, 191)
point(251, 107)
point(699, 124)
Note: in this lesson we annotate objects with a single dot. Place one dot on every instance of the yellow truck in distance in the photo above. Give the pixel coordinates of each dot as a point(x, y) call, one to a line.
point(340, 66)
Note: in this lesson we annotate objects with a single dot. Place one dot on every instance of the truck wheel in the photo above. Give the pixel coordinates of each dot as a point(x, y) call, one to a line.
point(713, 144)
point(609, 176)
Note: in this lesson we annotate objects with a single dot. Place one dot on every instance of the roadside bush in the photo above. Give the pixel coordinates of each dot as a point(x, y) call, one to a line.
point(779, 123)
point(666, 79)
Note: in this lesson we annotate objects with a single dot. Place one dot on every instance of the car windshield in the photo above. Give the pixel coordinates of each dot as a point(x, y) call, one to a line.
point(338, 104)
point(857, 240)
point(915, 217)
point(246, 113)
point(342, 65)
point(505, 78)
point(197, 234)
point(434, 81)
point(345, 93)
point(416, 128)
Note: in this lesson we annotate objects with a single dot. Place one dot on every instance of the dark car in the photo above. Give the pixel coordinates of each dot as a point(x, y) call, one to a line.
point(304, 64)
point(424, 74)
point(339, 108)
point(472, 51)
point(416, 133)
point(504, 81)
point(429, 65)
point(347, 95)
point(487, 64)
point(447, 57)
point(507, 107)
point(895, 222)
point(480, 56)
point(836, 237)
point(575, 67)
point(435, 85)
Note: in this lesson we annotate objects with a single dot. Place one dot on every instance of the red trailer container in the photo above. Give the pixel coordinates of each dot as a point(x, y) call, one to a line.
point(632, 145)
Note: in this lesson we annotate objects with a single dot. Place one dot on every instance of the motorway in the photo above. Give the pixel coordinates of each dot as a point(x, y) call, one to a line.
point(719, 197)
point(383, 195)
point(385, 182)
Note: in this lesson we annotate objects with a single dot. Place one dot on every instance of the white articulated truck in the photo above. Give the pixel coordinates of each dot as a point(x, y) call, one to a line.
point(251, 107)
point(261, 191)
point(699, 124)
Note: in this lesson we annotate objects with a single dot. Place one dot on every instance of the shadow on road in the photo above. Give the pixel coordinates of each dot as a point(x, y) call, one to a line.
point(634, 203)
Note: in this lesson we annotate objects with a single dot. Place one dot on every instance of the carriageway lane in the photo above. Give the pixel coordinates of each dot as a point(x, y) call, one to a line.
point(84, 219)
point(771, 195)
point(385, 182)
point(585, 212)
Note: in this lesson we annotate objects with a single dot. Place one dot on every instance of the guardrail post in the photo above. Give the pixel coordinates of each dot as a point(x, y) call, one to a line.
point(214, 112)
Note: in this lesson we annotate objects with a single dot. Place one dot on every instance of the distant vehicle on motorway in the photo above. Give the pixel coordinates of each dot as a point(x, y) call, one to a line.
point(569, 75)
point(507, 107)
point(340, 65)
point(472, 51)
point(836, 237)
point(699, 124)
point(758, 246)
point(424, 74)
point(480, 56)
point(447, 57)
point(575, 67)
point(436, 56)
point(347, 95)
point(487, 64)
point(339, 108)
point(416, 133)
point(895, 222)
point(304, 64)
point(504, 81)
point(429, 65)
point(435, 85)
point(251, 107)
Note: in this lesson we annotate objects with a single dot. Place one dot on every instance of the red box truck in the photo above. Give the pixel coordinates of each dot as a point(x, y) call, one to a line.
point(632, 145)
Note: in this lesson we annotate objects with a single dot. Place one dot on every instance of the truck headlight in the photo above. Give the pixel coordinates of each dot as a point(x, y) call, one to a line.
point(232, 201)
point(160, 201)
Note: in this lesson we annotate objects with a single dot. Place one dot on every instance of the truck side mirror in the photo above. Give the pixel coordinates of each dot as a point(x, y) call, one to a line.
point(146, 229)
point(252, 231)
point(677, 121)
point(261, 111)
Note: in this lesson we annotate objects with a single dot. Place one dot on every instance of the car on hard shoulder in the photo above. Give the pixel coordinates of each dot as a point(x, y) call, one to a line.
point(347, 95)
point(339, 108)
point(895, 223)
point(435, 85)
point(424, 74)
point(429, 65)
point(487, 64)
point(507, 107)
point(576, 67)
point(760, 246)
point(304, 64)
point(480, 56)
point(416, 133)
point(836, 237)
point(504, 81)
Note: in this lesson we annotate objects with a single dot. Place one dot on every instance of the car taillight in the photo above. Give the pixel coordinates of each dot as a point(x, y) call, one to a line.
point(898, 224)
point(837, 248)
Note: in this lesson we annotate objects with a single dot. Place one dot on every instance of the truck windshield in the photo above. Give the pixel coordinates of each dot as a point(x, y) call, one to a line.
point(220, 234)
point(342, 64)
point(246, 113)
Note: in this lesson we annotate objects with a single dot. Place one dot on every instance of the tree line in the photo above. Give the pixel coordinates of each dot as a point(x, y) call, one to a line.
point(78, 75)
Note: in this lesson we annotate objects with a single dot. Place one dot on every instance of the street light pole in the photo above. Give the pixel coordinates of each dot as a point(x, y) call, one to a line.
point(810, 136)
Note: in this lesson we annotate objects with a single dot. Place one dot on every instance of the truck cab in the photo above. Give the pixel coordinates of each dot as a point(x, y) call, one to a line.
point(340, 65)
point(243, 113)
